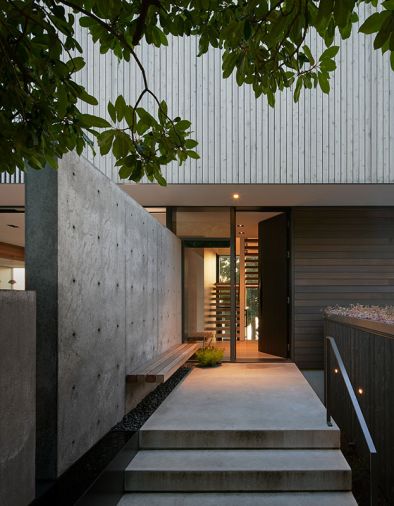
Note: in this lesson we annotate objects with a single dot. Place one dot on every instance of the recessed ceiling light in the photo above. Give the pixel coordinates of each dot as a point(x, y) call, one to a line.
point(240, 225)
point(241, 232)
point(235, 196)
point(12, 226)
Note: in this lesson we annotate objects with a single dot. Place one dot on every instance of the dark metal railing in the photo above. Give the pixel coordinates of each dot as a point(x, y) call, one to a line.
point(330, 344)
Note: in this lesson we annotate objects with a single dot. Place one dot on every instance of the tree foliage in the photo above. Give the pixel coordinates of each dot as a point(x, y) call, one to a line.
point(263, 43)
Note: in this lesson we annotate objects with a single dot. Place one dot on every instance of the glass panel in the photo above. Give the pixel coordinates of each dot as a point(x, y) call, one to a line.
point(224, 269)
point(252, 313)
point(210, 222)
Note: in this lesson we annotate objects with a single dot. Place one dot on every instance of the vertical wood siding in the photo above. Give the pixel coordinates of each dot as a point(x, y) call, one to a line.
point(341, 256)
point(346, 137)
point(16, 178)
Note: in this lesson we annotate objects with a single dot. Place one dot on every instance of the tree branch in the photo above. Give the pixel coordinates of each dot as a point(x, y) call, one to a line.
point(140, 25)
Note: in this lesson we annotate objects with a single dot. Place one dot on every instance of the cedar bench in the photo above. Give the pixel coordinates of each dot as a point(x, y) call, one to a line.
point(159, 369)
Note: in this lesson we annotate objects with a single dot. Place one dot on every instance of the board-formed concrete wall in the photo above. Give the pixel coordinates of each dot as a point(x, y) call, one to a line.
point(17, 397)
point(118, 300)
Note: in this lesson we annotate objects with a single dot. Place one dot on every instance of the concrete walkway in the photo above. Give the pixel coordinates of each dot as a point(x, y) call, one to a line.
point(254, 429)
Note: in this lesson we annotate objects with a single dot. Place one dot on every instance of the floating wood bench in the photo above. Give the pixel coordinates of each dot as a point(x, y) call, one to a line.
point(163, 367)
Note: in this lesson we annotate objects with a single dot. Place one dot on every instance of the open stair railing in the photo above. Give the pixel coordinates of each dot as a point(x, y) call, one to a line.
point(331, 345)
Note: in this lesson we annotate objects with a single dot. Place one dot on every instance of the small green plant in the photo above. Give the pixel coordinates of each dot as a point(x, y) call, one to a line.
point(210, 356)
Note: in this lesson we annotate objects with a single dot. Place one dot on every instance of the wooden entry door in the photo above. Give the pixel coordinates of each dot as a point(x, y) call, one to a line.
point(273, 284)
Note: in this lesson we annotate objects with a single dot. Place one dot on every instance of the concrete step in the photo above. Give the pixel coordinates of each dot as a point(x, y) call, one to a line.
point(239, 499)
point(313, 438)
point(237, 471)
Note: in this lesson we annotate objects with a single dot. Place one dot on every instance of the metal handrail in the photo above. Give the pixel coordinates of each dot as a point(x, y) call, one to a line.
point(356, 406)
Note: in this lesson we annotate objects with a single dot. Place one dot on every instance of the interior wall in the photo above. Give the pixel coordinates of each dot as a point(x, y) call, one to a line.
point(108, 299)
point(209, 273)
point(340, 256)
point(5, 276)
point(194, 290)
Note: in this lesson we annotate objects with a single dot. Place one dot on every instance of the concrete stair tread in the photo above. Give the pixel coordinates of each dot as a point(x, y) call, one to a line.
point(237, 471)
point(238, 499)
point(311, 438)
point(238, 460)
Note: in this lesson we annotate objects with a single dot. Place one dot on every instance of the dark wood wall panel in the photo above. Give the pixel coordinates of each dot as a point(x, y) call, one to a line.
point(340, 256)
point(369, 361)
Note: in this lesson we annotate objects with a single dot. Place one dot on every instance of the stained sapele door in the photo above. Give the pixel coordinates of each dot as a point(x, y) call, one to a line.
point(273, 284)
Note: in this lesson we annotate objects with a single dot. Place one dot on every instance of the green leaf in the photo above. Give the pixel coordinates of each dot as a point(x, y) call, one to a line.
point(160, 179)
point(120, 107)
point(271, 98)
point(247, 30)
point(384, 33)
point(329, 53)
point(89, 99)
point(86, 22)
point(147, 118)
point(89, 120)
point(328, 65)
point(190, 143)
point(326, 8)
point(142, 127)
point(308, 54)
point(297, 90)
point(372, 24)
point(129, 116)
point(183, 124)
point(75, 64)
point(121, 145)
point(125, 171)
point(323, 82)
point(112, 111)
point(193, 154)
point(105, 141)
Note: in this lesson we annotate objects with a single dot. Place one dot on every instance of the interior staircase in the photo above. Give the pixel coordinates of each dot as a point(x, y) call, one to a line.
point(251, 262)
point(218, 310)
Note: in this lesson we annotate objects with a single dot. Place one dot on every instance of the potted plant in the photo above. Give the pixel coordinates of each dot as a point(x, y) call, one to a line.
point(209, 356)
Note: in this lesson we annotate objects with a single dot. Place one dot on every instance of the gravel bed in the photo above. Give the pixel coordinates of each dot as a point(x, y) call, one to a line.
point(136, 418)
point(384, 314)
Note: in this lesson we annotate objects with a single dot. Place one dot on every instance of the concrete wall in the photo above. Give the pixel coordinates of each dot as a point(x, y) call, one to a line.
point(117, 284)
point(17, 397)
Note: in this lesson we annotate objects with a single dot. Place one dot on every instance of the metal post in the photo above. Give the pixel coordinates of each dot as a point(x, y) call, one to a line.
point(327, 374)
point(233, 280)
point(373, 491)
point(242, 290)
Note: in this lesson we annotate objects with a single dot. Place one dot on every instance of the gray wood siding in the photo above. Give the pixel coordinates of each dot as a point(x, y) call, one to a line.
point(346, 137)
point(17, 178)
point(340, 256)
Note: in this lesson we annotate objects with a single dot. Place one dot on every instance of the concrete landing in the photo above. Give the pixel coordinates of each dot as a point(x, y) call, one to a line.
point(240, 499)
point(241, 406)
point(250, 434)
